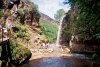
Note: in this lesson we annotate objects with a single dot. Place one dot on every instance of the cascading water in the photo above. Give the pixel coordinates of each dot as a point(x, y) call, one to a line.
point(59, 31)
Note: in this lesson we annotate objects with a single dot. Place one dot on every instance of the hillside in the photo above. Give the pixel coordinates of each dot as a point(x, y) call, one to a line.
point(47, 18)
point(25, 28)
point(27, 17)
point(49, 30)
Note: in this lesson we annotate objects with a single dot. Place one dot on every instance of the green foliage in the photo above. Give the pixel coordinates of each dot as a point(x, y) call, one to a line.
point(23, 28)
point(36, 6)
point(58, 15)
point(22, 32)
point(22, 35)
point(86, 17)
point(49, 30)
point(94, 56)
point(1, 13)
point(97, 35)
point(20, 11)
point(19, 51)
point(22, 15)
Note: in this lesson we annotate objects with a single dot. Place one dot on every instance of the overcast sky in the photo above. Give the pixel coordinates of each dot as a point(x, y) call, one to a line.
point(50, 7)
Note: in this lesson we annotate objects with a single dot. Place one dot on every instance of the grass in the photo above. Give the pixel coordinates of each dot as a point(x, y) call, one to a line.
point(49, 30)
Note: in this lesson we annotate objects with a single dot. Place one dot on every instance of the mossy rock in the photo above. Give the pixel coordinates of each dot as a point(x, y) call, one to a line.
point(19, 52)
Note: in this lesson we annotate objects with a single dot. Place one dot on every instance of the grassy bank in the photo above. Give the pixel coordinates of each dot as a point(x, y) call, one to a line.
point(49, 30)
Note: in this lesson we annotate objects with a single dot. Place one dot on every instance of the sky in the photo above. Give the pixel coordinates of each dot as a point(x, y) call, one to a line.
point(50, 7)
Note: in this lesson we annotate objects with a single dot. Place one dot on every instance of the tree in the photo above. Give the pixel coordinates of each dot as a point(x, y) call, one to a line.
point(86, 19)
point(58, 15)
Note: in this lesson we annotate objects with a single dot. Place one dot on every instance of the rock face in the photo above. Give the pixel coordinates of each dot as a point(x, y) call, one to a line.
point(64, 39)
point(17, 19)
point(25, 10)
point(87, 46)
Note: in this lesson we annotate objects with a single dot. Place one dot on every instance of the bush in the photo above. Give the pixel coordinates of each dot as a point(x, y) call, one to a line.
point(20, 11)
point(94, 56)
point(23, 28)
point(19, 52)
point(97, 36)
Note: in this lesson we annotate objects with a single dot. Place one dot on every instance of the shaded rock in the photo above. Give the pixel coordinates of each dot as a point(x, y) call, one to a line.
point(82, 47)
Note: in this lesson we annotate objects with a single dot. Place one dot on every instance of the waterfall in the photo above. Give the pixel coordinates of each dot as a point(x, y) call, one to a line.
point(59, 31)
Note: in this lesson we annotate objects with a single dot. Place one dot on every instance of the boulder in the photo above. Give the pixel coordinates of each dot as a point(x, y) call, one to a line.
point(19, 52)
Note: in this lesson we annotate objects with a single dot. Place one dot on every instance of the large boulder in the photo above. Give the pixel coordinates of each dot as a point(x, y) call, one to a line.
point(19, 52)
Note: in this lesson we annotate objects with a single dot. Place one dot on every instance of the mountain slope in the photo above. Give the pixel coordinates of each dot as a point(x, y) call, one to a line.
point(47, 18)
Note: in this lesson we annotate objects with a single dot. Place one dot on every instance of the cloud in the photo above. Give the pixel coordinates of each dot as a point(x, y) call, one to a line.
point(50, 7)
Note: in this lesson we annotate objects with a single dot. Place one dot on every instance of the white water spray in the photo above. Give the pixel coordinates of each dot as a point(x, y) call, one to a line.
point(59, 31)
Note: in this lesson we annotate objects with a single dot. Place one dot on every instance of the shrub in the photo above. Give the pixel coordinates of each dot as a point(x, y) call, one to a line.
point(19, 52)
point(94, 56)
point(23, 28)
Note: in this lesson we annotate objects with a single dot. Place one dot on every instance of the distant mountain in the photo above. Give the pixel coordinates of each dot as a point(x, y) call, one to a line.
point(47, 18)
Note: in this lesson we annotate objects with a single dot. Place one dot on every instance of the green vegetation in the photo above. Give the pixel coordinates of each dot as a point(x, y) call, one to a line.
point(19, 52)
point(1, 13)
point(86, 17)
point(58, 15)
point(21, 32)
point(84, 20)
point(49, 30)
